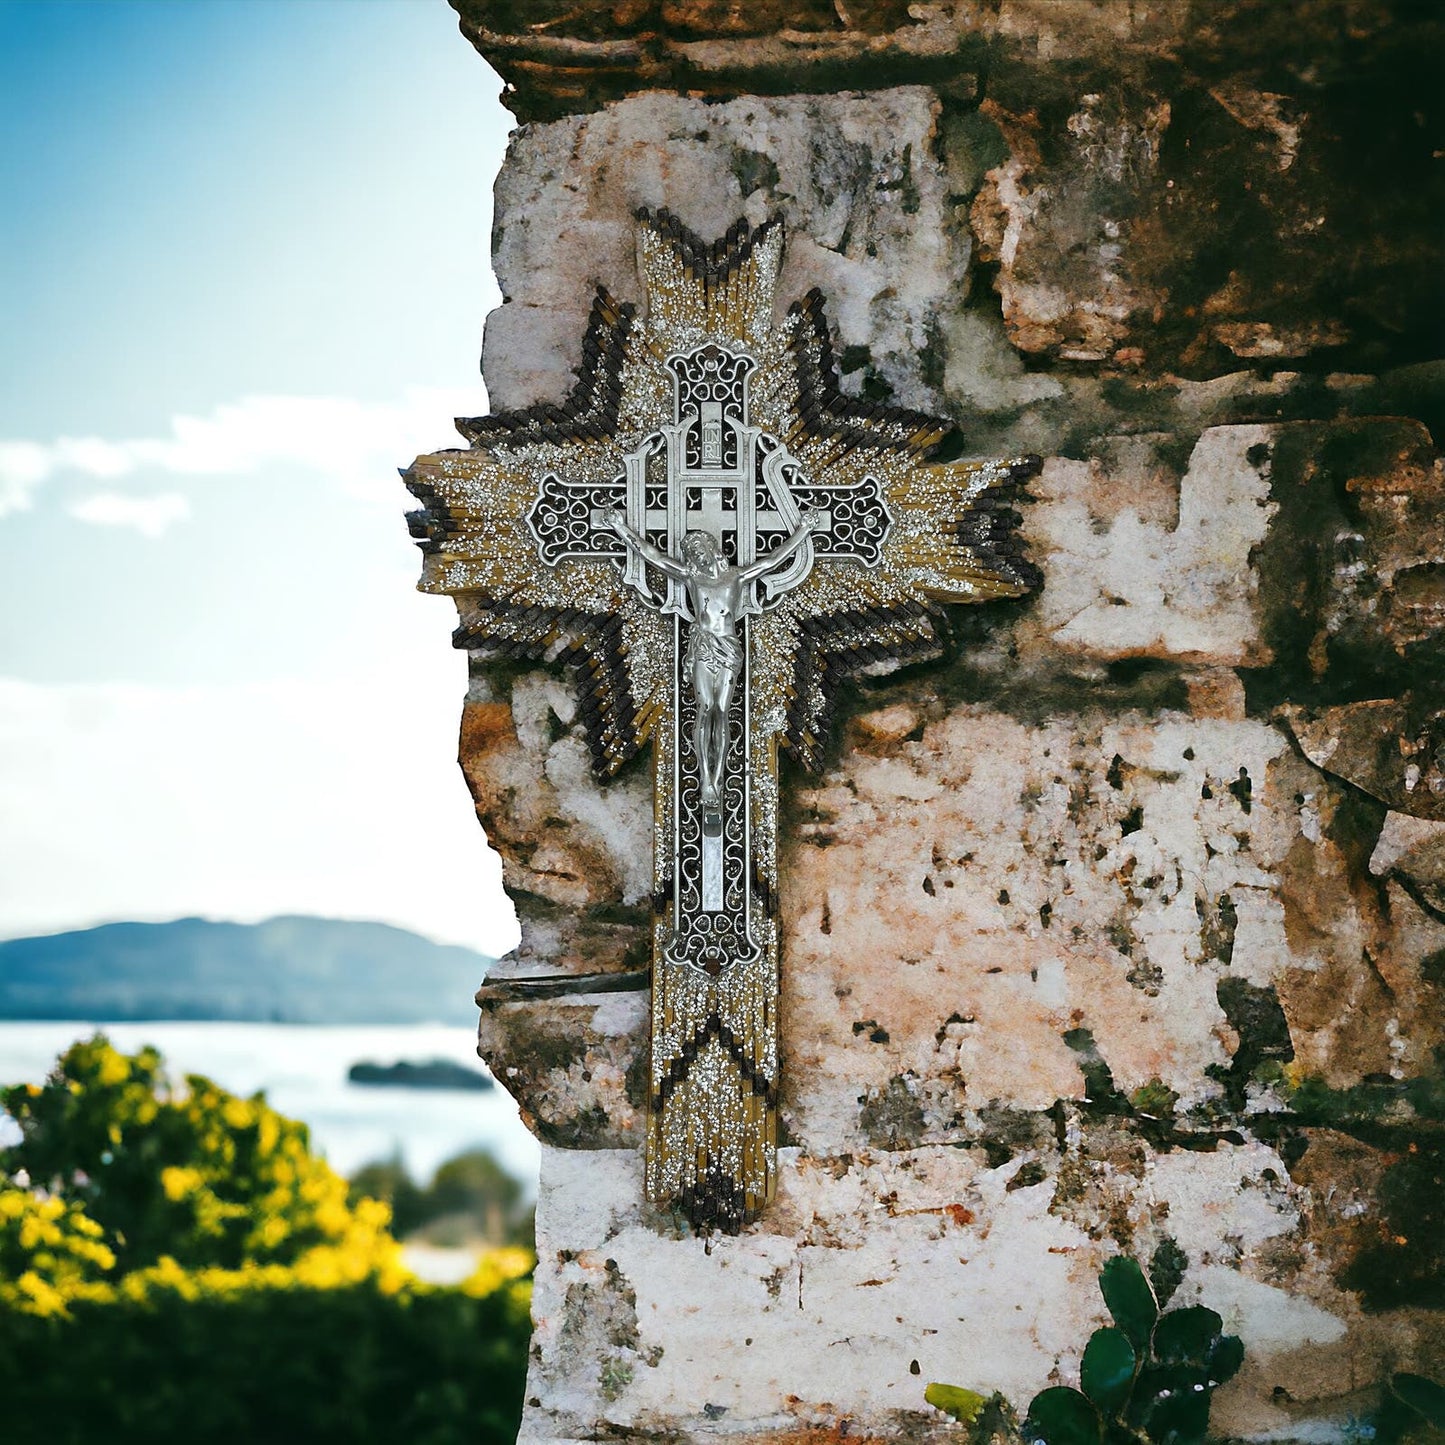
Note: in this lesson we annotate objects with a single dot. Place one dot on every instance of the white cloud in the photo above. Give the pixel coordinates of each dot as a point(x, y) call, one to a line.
point(243, 801)
point(150, 516)
point(23, 466)
point(357, 445)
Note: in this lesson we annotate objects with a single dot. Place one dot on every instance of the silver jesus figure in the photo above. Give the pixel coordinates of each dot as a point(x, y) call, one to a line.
point(718, 595)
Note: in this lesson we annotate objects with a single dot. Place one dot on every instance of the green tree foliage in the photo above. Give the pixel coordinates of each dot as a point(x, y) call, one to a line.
point(175, 1265)
point(475, 1181)
point(470, 1197)
point(251, 1361)
point(389, 1181)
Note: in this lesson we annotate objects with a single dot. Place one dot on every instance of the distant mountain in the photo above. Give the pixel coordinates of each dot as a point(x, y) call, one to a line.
point(286, 970)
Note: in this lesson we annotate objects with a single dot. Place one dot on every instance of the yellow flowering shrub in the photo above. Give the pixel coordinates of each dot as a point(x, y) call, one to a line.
point(176, 1265)
point(50, 1251)
point(190, 1171)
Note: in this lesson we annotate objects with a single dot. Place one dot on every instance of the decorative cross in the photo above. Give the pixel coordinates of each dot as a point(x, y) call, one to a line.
point(713, 537)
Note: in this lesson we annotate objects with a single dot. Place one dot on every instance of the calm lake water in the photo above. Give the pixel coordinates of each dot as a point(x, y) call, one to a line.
point(302, 1069)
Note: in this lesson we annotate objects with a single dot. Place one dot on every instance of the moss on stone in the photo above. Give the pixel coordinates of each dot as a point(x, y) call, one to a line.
point(892, 1117)
point(1254, 1013)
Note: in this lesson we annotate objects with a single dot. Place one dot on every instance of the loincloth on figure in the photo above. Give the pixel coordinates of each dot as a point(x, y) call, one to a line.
point(714, 649)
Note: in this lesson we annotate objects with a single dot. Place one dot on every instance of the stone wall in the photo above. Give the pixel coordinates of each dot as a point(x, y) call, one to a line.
point(1123, 929)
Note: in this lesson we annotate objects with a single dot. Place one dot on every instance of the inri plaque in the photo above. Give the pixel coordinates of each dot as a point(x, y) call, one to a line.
point(712, 536)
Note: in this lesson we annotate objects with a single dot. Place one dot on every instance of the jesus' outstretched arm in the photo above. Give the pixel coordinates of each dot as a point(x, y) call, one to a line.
point(617, 520)
point(809, 524)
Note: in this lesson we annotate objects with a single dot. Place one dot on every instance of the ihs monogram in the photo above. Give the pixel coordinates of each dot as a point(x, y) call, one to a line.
point(712, 536)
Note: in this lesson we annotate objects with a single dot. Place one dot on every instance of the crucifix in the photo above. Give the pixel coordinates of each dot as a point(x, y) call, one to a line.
point(712, 536)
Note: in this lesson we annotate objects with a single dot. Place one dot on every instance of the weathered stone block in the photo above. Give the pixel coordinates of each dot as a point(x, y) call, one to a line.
point(858, 172)
point(1391, 748)
point(1139, 566)
point(962, 905)
point(563, 839)
point(1198, 197)
point(1304, 548)
point(930, 1264)
point(577, 1065)
point(1354, 595)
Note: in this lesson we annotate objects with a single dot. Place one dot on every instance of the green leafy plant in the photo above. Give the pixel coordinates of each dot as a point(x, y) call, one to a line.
point(1148, 1377)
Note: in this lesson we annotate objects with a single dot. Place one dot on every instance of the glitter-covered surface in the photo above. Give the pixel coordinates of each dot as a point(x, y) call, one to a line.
point(904, 535)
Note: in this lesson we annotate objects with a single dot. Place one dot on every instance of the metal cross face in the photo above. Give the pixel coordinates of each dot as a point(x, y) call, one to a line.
point(713, 537)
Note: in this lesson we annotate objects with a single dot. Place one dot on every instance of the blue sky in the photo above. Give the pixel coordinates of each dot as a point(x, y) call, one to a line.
point(243, 273)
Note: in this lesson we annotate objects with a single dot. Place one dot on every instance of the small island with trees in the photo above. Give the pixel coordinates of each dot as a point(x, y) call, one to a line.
point(429, 1074)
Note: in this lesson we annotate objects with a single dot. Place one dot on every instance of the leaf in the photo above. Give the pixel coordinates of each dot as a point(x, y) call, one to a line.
point(1107, 1373)
point(1062, 1416)
point(954, 1400)
point(1179, 1417)
point(1155, 1383)
point(1424, 1396)
point(1225, 1359)
point(1171, 1403)
point(1130, 1300)
point(1187, 1336)
point(1166, 1268)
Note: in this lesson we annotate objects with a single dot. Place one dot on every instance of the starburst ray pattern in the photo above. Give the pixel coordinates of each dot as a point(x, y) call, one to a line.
point(515, 529)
